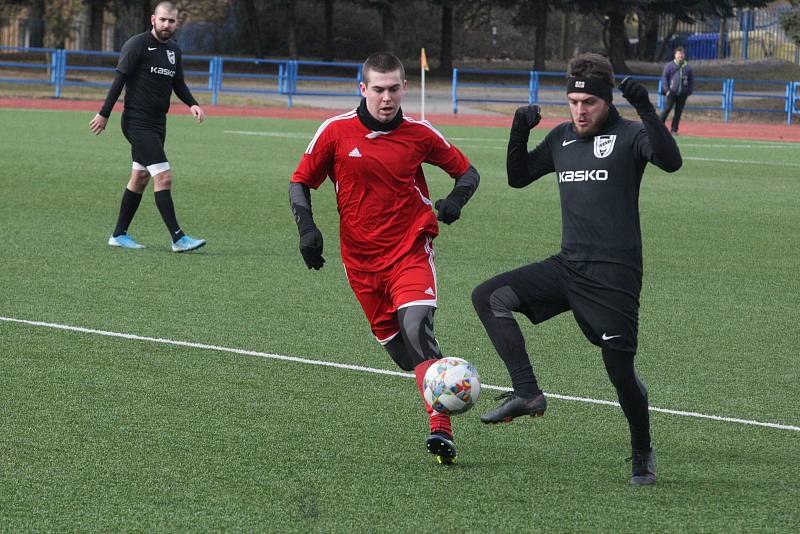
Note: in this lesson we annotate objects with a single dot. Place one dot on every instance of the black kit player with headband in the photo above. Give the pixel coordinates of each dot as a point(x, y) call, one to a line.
point(599, 159)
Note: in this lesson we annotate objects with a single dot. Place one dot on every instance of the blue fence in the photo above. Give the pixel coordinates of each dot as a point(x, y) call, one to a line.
point(288, 78)
point(213, 74)
point(726, 95)
point(41, 68)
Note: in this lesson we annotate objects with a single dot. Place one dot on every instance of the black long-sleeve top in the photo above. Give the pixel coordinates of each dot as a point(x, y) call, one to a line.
point(151, 70)
point(598, 179)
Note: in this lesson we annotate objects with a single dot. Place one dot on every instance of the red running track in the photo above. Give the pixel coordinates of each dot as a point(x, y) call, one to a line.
point(759, 132)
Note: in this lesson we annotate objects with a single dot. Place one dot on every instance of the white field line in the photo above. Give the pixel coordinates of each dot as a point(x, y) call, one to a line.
point(745, 161)
point(308, 361)
point(787, 144)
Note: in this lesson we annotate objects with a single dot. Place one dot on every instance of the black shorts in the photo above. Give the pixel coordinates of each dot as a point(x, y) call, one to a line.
point(147, 144)
point(603, 297)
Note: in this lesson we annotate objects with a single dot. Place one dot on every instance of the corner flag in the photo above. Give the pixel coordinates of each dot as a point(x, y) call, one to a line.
point(423, 66)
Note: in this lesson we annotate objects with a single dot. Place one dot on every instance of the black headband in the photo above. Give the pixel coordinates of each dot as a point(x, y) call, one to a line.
point(593, 86)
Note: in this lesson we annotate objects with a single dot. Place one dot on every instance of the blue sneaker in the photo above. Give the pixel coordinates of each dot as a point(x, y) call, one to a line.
point(124, 241)
point(186, 243)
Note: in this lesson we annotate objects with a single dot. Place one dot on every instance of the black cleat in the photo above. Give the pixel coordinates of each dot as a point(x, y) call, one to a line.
point(514, 406)
point(442, 446)
point(643, 468)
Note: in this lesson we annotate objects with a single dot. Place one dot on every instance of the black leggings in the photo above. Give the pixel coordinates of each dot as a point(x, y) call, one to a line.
point(632, 394)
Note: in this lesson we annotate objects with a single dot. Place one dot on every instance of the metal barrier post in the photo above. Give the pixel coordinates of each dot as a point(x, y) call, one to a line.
point(793, 100)
point(53, 68)
point(292, 81)
point(216, 80)
point(281, 79)
point(788, 104)
point(727, 89)
point(533, 87)
point(61, 65)
point(455, 92)
point(660, 100)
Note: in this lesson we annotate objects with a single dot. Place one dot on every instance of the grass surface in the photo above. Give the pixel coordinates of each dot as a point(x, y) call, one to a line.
point(101, 433)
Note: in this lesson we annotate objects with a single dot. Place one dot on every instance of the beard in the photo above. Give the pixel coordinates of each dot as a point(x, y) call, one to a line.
point(586, 131)
point(164, 35)
point(591, 129)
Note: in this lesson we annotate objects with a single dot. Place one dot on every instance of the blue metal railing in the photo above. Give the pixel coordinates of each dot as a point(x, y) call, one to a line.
point(48, 67)
point(505, 87)
point(221, 75)
point(69, 62)
point(225, 75)
point(265, 76)
point(792, 101)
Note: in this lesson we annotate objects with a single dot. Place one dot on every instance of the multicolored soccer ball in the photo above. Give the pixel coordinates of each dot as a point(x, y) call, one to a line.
point(451, 386)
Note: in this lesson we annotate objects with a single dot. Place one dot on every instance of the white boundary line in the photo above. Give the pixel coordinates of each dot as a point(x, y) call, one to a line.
point(745, 161)
point(308, 361)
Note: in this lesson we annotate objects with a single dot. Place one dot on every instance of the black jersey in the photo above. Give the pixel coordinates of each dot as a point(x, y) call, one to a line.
point(152, 69)
point(598, 180)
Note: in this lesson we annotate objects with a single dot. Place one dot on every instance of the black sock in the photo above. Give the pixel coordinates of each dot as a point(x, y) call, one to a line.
point(632, 395)
point(507, 339)
point(167, 210)
point(127, 209)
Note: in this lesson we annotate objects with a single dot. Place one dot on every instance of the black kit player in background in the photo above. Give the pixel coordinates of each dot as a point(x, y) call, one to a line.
point(150, 67)
point(599, 159)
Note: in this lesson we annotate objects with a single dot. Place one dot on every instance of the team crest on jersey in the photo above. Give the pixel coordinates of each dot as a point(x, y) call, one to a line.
point(171, 56)
point(604, 145)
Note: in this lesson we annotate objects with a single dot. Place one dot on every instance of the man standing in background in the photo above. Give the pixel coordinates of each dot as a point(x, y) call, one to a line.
point(677, 83)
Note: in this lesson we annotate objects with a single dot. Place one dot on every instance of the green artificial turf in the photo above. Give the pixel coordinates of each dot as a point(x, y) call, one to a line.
point(103, 433)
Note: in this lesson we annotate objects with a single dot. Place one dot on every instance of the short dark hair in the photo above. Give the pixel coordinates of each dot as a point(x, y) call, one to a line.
point(382, 62)
point(591, 65)
point(679, 49)
point(169, 6)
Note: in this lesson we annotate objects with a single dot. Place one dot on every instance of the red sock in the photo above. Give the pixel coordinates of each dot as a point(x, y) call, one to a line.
point(438, 422)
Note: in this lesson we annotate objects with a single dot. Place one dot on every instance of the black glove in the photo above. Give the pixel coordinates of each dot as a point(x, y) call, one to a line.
point(311, 248)
point(526, 118)
point(637, 95)
point(448, 210)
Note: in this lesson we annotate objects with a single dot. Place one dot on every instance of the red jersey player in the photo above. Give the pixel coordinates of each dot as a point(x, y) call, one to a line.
point(374, 156)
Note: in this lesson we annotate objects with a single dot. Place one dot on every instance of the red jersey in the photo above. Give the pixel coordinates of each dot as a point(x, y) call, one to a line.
point(381, 193)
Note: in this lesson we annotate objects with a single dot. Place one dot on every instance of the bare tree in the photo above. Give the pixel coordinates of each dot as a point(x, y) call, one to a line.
point(248, 8)
point(291, 28)
point(566, 17)
point(617, 39)
point(96, 14)
point(386, 10)
point(533, 14)
point(146, 10)
point(649, 20)
point(330, 46)
point(446, 49)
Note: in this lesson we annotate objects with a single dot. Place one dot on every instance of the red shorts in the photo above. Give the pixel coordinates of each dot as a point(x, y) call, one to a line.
point(409, 281)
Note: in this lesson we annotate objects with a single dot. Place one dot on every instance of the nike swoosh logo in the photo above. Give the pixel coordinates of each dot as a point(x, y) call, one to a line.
point(151, 48)
point(565, 143)
point(606, 337)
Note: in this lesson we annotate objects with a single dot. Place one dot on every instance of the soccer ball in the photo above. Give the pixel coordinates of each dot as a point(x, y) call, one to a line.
point(451, 386)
